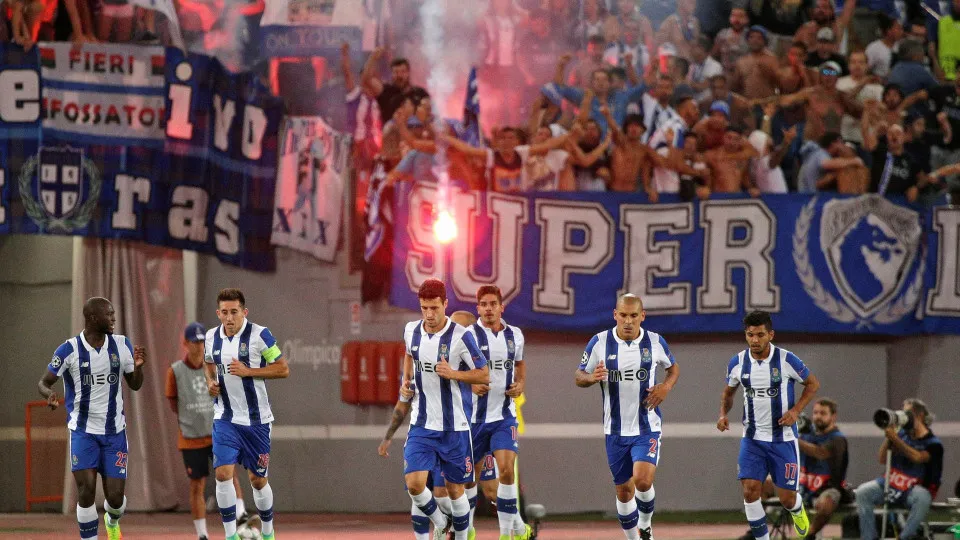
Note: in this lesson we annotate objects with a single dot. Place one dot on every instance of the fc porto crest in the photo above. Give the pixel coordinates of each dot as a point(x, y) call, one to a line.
point(775, 376)
point(243, 349)
point(60, 188)
point(511, 348)
point(870, 250)
point(645, 354)
point(114, 360)
point(443, 351)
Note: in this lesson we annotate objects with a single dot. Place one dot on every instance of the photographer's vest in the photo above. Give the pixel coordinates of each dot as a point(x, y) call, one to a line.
point(949, 46)
point(194, 404)
point(815, 474)
point(904, 474)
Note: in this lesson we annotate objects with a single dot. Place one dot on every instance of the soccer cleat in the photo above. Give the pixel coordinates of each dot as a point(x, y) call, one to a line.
point(234, 536)
point(271, 536)
point(801, 522)
point(113, 533)
point(646, 534)
point(203, 538)
point(471, 534)
point(440, 532)
point(527, 533)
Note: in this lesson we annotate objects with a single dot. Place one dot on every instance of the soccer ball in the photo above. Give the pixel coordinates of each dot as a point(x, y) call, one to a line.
point(249, 533)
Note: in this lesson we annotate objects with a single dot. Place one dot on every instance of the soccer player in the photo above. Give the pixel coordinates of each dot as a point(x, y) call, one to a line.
point(441, 354)
point(494, 424)
point(239, 356)
point(769, 445)
point(186, 391)
point(91, 364)
point(624, 361)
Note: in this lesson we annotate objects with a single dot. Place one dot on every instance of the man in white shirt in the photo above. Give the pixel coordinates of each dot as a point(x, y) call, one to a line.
point(880, 52)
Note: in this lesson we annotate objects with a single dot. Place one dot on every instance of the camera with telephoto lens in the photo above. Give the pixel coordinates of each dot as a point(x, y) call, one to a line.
point(804, 425)
point(885, 418)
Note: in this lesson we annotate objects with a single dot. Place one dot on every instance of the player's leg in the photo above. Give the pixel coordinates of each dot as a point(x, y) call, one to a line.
point(439, 487)
point(197, 463)
point(255, 457)
point(645, 453)
point(226, 452)
point(456, 461)
point(480, 436)
point(113, 469)
point(783, 460)
point(826, 504)
point(242, 516)
point(419, 458)
point(621, 467)
point(85, 460)
point(752, 466)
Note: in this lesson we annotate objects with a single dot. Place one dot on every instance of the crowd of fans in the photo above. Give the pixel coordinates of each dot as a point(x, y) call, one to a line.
point(660, 97)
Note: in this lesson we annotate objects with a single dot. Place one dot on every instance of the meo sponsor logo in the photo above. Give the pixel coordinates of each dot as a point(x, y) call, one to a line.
point(627, 375)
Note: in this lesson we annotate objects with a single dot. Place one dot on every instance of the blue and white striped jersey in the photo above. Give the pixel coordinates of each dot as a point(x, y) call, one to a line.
point(441, 404)
point(503, 350)
point(91, 380)
point(632, 367)
point(242, 400)
point(767, 392)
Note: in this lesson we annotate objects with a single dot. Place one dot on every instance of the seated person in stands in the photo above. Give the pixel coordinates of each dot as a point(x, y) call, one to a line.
point(823, 465)
point(915, 472)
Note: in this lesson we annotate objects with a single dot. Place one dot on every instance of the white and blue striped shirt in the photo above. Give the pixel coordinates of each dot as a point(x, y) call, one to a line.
point(242, 400)
point(767, 392)
point(632, 367)
point(440, 404)
point(91, 381)
point(503, 350)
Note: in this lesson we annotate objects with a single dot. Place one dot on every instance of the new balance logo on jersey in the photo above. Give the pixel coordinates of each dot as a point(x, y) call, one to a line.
point(484, 348)
point(612, 357)
point(216, 351)
point(501, 364)
point(763, 392)
point(627, 375)
point(85, 364)
point(100, 378)
point(747, 376)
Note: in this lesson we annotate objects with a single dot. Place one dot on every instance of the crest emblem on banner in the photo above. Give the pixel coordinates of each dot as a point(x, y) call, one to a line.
point(60, 188)
point(872, 252)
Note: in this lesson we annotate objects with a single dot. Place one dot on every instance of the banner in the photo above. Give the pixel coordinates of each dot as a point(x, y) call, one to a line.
point(823, 264)
point(318, 27)
point(313, 168)
point(123, 142)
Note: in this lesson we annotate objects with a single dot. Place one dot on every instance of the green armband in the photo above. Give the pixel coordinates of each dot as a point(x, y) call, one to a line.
point(271, 354)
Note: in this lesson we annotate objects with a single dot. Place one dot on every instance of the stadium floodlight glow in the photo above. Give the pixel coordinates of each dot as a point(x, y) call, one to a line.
point(445, 227)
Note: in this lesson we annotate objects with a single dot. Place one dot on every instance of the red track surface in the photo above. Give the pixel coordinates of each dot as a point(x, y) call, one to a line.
point(334, 526)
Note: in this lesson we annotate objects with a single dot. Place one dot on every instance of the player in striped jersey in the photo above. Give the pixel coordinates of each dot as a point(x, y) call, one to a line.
point(91, 364)
point(769, 444)
point(442, 360)
point(624, 361)
point(494, 424)
point(239, 355)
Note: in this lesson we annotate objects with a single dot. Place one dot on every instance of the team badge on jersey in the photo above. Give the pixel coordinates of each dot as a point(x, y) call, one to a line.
point(510, 346)
point(56, 362)
point(775, 376)
point(243, 349)
point(443, 351)
point(645, 354)
point(114, 361)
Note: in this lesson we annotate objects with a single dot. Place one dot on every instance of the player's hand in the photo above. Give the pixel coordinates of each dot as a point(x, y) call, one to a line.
point(600, 373)
point(238, 369)
point(384, 446)
point(656, 395)
point(139, 356)
point(723, 424)
point(515, 389)
point(788, 419)
point(444, 370)
point(213, 388)
point(406, 391)
point(480, 389)
point(53, 401)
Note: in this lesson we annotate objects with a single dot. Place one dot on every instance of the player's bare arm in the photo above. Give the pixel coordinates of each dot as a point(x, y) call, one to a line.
point(46, 389)
point(278, 369)
point(135, 379)
point(726, 403)
point(473, 376)
point(210, 372)
point(519, 380)
point(659, 392)
point(810, 387)
point(400, 412)
point(586, 380)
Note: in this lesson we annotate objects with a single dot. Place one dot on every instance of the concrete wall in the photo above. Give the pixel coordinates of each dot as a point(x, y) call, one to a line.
point(35, 284)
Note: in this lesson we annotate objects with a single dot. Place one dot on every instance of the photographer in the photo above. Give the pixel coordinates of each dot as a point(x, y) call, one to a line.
point(914, 470)
point(823, 464)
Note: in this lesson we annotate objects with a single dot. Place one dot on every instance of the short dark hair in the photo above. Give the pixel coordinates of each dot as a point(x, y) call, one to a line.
point(489, 289)
point(828, 403)
point(618, 72)
point(229, 295)
point(682, 63)
point(886, 22)
point(597, 39)
point(432, 288)
point(758, 318)
point(718, 77)
point(829, 138)
point(705, 42)
point(633, 119)
point(520, 133)
point(677, 103)
point(399, 62)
